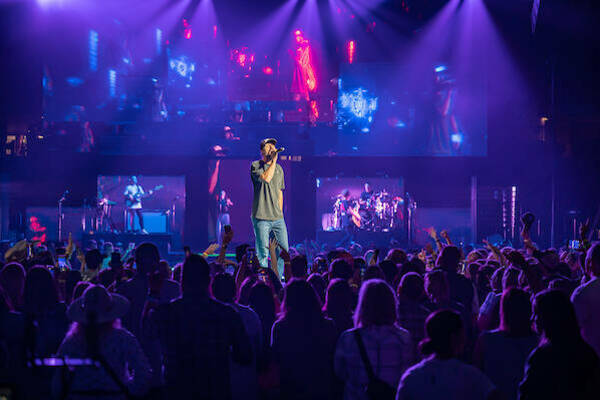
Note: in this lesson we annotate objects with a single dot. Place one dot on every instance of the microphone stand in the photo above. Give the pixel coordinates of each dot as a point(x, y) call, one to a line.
point(63, 197)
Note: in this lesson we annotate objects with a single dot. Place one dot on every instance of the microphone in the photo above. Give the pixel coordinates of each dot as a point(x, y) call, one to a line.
point(279, 150)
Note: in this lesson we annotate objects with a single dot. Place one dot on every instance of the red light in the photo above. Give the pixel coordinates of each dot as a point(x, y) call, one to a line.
point(351, 47)
point(187, 30)
point(268, 70)
point(215, 31)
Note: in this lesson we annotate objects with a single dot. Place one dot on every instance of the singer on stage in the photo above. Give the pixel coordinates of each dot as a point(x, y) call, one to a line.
point(267, 206)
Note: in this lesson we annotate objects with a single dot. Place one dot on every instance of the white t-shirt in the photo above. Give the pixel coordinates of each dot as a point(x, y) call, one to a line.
point(451, 379)
point(586, 299)
point(134, 190)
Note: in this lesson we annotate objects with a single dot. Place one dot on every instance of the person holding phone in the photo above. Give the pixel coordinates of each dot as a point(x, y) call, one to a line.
point(267, 206)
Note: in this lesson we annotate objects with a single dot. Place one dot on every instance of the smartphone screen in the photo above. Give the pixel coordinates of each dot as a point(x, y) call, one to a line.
point(574, 244)
point(62, 262)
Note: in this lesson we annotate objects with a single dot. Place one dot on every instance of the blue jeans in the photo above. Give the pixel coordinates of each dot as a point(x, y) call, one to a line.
point(262, 230)
point(222, 220)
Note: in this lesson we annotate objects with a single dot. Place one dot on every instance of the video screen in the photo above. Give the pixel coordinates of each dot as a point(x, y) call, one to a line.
point(390, 110)
point(231, 192)
point(125, 203)
point(371, 204)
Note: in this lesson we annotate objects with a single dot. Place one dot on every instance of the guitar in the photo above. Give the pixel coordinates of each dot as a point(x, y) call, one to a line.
point(130, 200)
point(355, 216)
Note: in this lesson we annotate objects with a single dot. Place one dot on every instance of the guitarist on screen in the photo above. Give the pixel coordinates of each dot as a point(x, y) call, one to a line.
point(350, 218)
point(133, 202)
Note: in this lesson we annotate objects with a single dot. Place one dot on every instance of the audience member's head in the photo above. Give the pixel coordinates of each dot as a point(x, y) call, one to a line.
point(5, 304)
point(223, 287)
point(319, 284)
point(79, 289)
point(437, 287)
point(510, 278)
point(93, 259)
point(397, 256)
point(411, 287)
point(389, 270)
point(449, 259)
point(12, 278)
point(244, 290)
point(300, 302)
point(177, 272)
point(94, 313)
point(554, 317)
point(164, 269)
point(262, 301)
point(373, 272)
point(338, 301)
point(445, 335)
point(146, 258)
point(515, 312)
point(340, 268)
point(195, 275)
point(471, 271)
point(299, 267)
point(40, 293)
point(496, 280)
point(592, 260)
point(376, 305)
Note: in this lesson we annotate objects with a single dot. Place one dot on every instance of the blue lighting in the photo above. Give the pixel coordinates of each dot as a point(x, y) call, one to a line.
point(356, 109)
point(74, 81)
point(112, 82)
point(359, 103)
point(440, 68)
point(93, 51)
point(158, 41)
point(183, 67)
point(456, 138)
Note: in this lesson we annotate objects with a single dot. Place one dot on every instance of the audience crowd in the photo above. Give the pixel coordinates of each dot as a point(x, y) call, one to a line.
point(444, 322)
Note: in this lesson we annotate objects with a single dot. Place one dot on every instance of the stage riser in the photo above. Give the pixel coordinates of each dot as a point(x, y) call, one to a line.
point(162, 241)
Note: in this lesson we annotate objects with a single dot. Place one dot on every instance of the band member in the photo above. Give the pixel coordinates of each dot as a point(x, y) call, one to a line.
point(350, 218)
point(267, 206)
point(223, 205)
point(366, 195)
point(133, 201)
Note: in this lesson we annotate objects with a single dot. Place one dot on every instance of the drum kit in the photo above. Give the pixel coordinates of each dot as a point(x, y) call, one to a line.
point(381, 212)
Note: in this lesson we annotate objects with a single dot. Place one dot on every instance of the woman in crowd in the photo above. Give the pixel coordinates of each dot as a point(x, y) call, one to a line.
point(12, 278)
point(303, 343)
point(501, 353)
point(96, 333)
point(388, 347)
point(563, 365)
point(412, 312)
point(338, 305)
point(441, 375)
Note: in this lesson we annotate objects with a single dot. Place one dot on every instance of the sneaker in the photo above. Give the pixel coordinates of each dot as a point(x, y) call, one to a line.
point(144, 232)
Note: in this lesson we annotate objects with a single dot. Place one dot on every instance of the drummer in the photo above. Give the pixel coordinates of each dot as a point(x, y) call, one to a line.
point(367, 193)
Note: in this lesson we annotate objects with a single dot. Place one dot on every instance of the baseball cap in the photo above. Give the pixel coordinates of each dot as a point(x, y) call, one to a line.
point(267, 140)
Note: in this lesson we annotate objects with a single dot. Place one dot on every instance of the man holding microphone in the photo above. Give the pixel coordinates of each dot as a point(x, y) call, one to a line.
point(267, 206)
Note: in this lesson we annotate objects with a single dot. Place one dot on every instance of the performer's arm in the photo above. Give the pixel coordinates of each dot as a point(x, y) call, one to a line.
point(281, 200)
point(268, 174)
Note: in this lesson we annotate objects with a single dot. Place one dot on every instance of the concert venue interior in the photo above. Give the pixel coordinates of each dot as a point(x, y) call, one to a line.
point(132, 121)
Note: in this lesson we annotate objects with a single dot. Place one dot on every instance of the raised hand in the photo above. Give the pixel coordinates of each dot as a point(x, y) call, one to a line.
point(211, 249)
point(584, 229)
point(227, 236)
point(432, 232)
